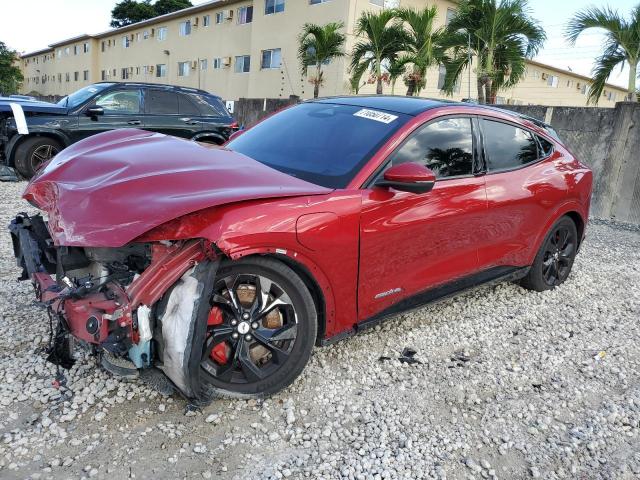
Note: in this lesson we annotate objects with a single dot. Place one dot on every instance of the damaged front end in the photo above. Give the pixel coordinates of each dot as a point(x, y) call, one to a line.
point(136, 305)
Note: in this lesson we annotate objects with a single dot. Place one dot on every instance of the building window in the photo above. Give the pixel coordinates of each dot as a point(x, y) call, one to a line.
point(67, 77)
point(66, 51)
point(183, 69)
point(125, 41)
point(76, 76)
point(85, 47)
point(611, 96)
point(162, 33)
point(219, 18)
point(206, 20)
point(138, 37)
point(442, 74)
point(203, 64)
point(59, 78)
point(103, 75)
point(245, 15)
point(75, 49)
point(161, 70)
point(243, 64)
point(145, 35)
point(185, 28)
point(125, 74)
point(379, 3)
point(317, 2)
point(85, 75)
point(450, 14)
point(216, 63)
point(102, 46)
point(273, 6)
point(271, 58)
point(552, 81)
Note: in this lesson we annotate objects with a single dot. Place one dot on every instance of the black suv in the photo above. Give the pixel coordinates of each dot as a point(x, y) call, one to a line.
point(179, 111)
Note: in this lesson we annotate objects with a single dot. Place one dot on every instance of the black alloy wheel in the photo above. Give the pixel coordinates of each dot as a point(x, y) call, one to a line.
point(555, 258)
point(260, 331)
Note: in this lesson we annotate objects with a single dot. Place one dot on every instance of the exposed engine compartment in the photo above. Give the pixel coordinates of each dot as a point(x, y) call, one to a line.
point(106, 297)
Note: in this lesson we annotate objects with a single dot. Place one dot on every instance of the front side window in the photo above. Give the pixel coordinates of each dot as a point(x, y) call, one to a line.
point(445, 146)
point(271, 58)
point(161, 70)
point(245, 15)
point(322, 143)
point(243, 64)
point(186, 106)
point(183, 69)
point(120, 102)
point(160, 102)
point(507, 147)
point(273, 6)
point(185, 28)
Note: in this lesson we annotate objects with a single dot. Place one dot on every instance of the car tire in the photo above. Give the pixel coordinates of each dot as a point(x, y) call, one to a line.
point(555, 258)
point(32, 152)
point(284, 358)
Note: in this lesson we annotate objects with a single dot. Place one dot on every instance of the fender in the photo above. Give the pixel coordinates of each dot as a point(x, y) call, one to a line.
point(331, 327)
point(567, 207)
point(36, 131)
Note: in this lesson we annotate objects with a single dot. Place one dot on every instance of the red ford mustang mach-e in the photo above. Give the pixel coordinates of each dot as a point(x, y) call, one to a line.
point(222, 267)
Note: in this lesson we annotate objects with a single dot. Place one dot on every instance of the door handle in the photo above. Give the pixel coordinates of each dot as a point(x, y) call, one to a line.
point(135, 122)
point(189, 121)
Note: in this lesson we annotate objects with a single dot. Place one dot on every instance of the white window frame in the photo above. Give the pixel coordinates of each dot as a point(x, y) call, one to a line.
point(126, 43)
point(271, 51)
point(242, 70)
point(245, 9)
point(206, 20)
point(275, 6)
point(162, 34)
point(219, 18)
point(161, 70)
point(185, 28)
point(216, 63)
point(184, 69)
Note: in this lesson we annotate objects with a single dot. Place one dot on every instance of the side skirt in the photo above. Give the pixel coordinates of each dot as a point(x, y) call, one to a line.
point(487, 277)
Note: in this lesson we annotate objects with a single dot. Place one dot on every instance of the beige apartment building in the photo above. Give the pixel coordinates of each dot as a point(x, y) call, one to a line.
point(248, 48)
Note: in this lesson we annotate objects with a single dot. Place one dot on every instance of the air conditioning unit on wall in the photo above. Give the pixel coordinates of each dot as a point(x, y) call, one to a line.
point(228, 14)
point(194, 22)
point(194, 65)
point(226, 61)
point(545, 76)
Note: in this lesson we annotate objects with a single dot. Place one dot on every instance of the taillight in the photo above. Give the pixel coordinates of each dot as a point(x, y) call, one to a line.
point(234, 126)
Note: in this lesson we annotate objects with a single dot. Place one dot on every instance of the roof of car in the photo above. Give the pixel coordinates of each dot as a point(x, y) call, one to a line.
point(158, 85)
point(392, 103)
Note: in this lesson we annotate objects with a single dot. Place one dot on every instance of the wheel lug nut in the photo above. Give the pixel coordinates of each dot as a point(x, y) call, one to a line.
point(234, 335)
point(247, 337)
point(234, 322)
point(254, 325)
point(245, 316)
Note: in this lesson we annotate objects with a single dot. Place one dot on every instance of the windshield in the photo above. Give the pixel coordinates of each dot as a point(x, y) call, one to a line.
point(322, 143)
point(80, 96)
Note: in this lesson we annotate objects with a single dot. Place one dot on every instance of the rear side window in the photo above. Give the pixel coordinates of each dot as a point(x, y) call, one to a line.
point(508, 147)
point(186, 106)
point(546, 147)
point(445, 146)
point(210, 105)
point(161, 102)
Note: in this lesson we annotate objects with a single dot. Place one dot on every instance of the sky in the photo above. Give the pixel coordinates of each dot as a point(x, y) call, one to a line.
point(52, 20)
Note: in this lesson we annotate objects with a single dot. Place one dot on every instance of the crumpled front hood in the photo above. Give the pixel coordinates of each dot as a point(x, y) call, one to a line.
point(111, 188)
point(35, 107)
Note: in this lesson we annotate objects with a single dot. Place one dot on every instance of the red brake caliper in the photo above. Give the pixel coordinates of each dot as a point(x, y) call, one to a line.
point(219, 353)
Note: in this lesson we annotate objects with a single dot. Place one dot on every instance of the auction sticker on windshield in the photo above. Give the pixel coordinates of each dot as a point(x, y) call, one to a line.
point(375, 115)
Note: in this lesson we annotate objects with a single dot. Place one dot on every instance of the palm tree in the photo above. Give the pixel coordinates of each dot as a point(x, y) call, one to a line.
point(381, 39)
point(503, 35)
point(425, 45)
point(621, 45)
point(317, 46)
point(396, 70)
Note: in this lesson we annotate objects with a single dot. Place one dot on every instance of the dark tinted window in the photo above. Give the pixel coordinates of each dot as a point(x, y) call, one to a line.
point(507, 146)
point(161, 102)
point(445, 146)
point(322, 143)
point(210, 105)
point(186, 106)
point(546, 147)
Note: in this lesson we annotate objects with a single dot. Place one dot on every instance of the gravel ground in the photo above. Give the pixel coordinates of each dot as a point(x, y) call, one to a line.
point(511, 384)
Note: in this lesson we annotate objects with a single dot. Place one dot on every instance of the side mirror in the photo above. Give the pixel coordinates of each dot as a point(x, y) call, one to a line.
point(409, 177)
point(94, 111)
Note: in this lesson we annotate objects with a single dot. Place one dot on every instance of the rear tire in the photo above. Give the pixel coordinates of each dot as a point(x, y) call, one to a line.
point(555, 258)
point(33, 152)
point(241, 356)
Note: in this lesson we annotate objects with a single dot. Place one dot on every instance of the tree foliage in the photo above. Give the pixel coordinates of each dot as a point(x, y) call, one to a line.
point(317, 46)
point(127, 12)
point(10, 75)
point(621, 46)
point(503, 36)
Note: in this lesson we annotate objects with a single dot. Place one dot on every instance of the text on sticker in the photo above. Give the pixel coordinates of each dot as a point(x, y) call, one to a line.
point(375, 115)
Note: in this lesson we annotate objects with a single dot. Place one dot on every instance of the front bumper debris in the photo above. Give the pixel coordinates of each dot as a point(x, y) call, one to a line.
point(112, 313)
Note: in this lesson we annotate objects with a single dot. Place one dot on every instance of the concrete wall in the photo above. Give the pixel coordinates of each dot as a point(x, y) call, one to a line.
point(608, 140)
point(249, 111)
